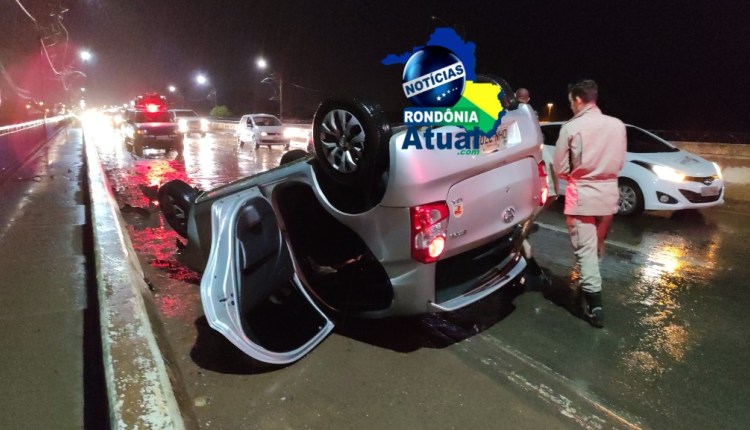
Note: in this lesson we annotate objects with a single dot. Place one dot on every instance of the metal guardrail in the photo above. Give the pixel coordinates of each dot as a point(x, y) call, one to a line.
point(7, 129)
point(19, 141)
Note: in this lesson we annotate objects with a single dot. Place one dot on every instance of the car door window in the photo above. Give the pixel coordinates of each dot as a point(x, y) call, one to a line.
point(641, 142)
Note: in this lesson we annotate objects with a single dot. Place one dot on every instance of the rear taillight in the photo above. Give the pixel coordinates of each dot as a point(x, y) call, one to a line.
point(544, 191)
point(429, 224)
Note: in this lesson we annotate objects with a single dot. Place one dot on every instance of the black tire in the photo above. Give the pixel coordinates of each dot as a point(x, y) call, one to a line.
point(630, 202)
point(351, 139)
point(175, 199)
point(179, 147)
point(287, 146)
point(294, 154)
point(203, 134)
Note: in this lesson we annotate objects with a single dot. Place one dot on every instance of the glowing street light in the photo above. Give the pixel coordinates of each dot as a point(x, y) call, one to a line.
point(549, 111)
point(262, 64)
point(172, 88)
point(85, 55)
point(201, 79)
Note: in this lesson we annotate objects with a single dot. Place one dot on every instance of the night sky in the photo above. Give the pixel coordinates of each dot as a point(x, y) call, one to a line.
point(664, 65)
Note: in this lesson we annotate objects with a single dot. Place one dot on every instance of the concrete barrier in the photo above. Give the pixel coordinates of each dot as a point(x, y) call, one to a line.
point(140, 390)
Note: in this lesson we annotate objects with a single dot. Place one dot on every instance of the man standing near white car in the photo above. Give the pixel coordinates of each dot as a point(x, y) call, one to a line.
point(589, 154)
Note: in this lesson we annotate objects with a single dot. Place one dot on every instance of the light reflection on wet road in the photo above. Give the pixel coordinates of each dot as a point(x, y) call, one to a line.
point(674, 352)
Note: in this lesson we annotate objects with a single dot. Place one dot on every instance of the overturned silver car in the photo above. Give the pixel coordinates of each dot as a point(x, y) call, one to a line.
point(361, 227)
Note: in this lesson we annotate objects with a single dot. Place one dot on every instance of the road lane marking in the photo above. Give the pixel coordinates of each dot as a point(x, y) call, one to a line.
point(565, 405)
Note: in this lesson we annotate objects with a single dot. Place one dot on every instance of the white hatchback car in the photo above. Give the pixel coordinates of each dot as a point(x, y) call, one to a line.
point(363, 227)
point(261, 129)
point(656, 175)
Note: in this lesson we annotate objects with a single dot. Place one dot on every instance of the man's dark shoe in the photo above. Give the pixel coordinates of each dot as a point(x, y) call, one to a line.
point(596, 317)
point(593, 312)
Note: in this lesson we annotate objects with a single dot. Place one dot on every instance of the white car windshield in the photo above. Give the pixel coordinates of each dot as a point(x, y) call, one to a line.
point(265, 121)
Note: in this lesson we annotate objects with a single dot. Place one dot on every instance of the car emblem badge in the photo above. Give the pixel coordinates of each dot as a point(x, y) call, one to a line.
point(708, 181)
point(509, 214)
point(458, 209)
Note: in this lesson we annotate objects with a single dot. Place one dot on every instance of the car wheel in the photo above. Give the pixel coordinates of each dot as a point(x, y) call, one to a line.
point(203, 134)
point(287, 146)
point(175, 198)
point(351, 141)
point(292, 155)
point(631, 198)
point(179, 147)
point(254, 142)
point(240, 143)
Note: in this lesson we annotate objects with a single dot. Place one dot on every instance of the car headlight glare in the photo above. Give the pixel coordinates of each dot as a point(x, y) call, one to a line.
point(204, 124)
point(182, 125)
point(718, 170)
point(263, 133)
point(667, 173)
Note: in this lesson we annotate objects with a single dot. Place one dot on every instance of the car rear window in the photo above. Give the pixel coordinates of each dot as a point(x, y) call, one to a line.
point(152, 117)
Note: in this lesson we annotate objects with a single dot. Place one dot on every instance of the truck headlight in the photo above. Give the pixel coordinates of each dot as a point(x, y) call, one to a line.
point(182, 125)
point(204, 124)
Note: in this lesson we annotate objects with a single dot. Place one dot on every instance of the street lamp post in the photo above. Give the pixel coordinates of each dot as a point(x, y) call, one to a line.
point(549, 111)
point(263, 64)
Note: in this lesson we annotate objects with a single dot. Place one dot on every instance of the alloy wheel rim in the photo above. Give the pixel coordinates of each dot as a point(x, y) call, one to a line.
point(627, 198)
point(343, 140)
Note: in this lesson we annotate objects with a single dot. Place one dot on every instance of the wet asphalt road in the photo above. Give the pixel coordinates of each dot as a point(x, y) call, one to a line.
point(674, 352)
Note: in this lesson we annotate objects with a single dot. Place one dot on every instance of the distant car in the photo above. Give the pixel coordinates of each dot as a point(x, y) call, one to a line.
point(656, 175)
point(362, 227)
point(188, 121)
point(150, 127)
point(261, 130)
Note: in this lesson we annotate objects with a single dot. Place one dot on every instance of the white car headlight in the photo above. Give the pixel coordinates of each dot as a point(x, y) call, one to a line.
point(182, 125)
point(668, 173)
point(204, 124)
point(718, 170)
point(263, 133)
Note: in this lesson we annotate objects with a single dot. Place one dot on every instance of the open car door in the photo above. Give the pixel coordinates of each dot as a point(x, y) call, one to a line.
point(250, 290)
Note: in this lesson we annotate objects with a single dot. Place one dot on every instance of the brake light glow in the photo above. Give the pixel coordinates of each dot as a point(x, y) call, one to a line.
point(152, 107)
point(429, 224)
point(544, 191)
